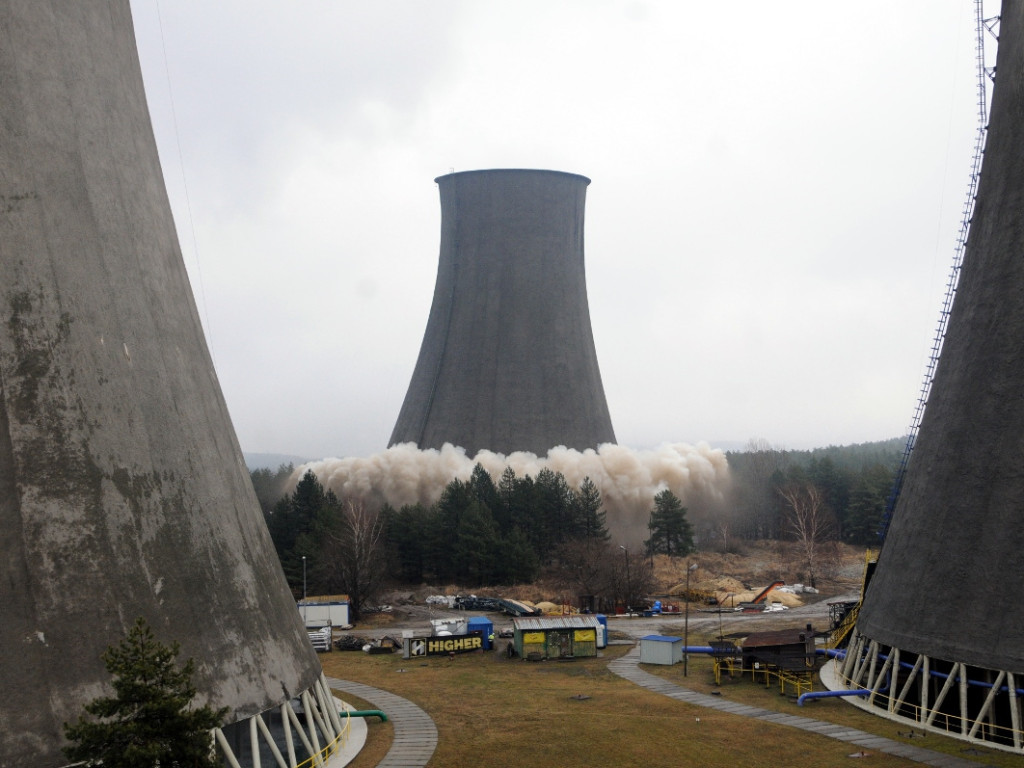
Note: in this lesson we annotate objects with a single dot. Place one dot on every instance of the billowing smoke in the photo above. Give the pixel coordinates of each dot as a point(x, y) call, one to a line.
point(627, 478)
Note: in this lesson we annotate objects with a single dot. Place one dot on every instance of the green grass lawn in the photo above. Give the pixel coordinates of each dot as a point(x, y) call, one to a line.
point(494, 711)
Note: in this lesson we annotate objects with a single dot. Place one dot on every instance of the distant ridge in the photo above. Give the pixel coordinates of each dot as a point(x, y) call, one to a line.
point(888, 444)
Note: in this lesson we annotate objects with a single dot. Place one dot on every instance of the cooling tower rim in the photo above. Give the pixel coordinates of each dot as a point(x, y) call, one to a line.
point(585, 179)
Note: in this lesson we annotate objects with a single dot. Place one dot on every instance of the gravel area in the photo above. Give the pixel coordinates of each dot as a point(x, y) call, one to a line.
point(704, 624)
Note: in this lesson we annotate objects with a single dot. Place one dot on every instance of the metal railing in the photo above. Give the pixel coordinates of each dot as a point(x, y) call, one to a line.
point(948, 723)
point(339, 741)
point(839, 635)
point(789, 681)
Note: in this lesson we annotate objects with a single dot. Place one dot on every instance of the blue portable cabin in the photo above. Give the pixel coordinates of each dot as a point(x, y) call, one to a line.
point(484, 626)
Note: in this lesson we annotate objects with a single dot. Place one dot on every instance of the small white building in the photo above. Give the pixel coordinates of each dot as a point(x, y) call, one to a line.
point(443, 627)
point(316, 614)
point(661, 649)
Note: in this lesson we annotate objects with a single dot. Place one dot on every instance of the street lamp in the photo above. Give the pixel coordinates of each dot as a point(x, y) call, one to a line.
point(686, 620)
point(303, 589)
point(628, 611)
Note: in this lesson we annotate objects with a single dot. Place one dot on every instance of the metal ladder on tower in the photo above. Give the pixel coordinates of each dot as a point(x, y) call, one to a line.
point(985, 75)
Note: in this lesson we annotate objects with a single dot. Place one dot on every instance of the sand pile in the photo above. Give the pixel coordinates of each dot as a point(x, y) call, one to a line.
point(552, 609)
point(788, 599)
point(705, 584)
point(731, 592)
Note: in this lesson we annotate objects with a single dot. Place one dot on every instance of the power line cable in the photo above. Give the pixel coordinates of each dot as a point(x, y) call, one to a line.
point(184, 182)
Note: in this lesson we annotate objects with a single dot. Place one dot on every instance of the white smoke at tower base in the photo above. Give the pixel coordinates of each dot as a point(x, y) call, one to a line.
point(627, 478)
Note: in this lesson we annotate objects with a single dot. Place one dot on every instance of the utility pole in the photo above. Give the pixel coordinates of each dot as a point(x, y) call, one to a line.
point(628, 595)
point(720, 605)
point(686, 620)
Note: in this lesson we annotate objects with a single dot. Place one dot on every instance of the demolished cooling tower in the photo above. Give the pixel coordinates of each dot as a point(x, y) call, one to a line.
point(942, 624)
point(508, 360)
point(123, 493)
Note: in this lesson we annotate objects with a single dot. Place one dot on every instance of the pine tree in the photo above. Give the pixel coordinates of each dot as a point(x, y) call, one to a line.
point(476, 547)
point(517, 562)
point(671, 533)
point(519, 497)
point(293, 529)
point(553, 509)
point(507, 491)
point(486, 492)
point(148, 721)
point(405, 540)
point(590, 521)
point(866, 510)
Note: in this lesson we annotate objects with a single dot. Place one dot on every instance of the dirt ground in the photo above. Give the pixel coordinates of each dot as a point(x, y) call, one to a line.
point(754, 568)
point(702, 624)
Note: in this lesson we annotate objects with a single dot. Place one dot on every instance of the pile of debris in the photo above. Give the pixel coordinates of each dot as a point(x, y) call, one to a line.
point(367, 645)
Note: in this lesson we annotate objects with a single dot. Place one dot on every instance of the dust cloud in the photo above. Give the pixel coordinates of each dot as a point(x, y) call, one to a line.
point(627, 478)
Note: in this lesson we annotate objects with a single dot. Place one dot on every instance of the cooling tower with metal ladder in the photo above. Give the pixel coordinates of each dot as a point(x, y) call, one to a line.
point(939, 641)
point(123, 492)
point(508, 361)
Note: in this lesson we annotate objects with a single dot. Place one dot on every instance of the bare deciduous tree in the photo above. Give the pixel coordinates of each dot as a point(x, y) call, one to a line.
point(809, 521)
point(586, 569)
point(355, 548)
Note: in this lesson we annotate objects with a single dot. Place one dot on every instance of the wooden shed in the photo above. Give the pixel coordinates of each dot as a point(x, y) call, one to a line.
point(790, 649)
point(555, 637)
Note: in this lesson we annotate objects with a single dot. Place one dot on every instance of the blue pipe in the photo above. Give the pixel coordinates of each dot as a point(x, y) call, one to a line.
point(841, 654)
point(830, 694)
point(832, 653)
point(979, 683)
point(833, 694)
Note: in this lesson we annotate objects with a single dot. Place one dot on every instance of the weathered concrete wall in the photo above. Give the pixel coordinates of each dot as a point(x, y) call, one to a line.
point(508, 360)
point(951, 573)
point(122, 487)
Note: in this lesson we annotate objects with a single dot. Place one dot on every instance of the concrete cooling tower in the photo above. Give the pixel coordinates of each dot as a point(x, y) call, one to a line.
point(508, 360)
point(123, 492)
point(940, 636)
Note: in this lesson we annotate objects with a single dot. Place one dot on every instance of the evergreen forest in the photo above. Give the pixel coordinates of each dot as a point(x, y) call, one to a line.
point(483, 532)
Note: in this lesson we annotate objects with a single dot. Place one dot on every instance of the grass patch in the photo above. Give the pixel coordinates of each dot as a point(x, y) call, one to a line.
point(502, 712)
point(379, 736)
point(832, 710)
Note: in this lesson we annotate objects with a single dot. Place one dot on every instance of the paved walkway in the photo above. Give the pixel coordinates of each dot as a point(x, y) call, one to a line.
point(415, 733)
point(627, 667)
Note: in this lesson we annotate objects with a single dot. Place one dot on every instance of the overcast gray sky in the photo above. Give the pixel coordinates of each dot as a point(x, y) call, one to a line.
point(776, 192)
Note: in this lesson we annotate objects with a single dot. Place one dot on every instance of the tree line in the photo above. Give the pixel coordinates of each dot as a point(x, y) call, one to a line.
point(481, 533)
point(478, 533)
point(484, 533)
point(851, 485)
